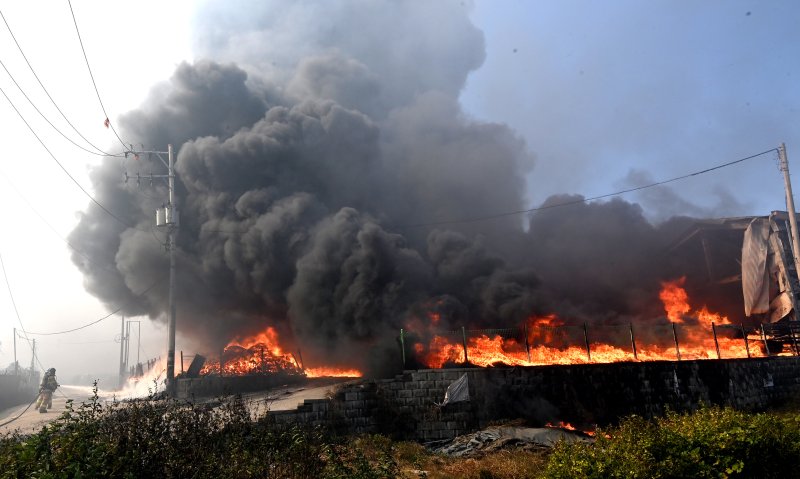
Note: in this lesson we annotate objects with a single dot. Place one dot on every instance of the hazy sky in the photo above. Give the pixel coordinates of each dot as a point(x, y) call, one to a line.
point(607, 95)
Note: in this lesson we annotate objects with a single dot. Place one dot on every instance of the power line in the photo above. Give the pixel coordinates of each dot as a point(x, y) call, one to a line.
point(14, 304)
point(80, 40)
point(584, 200)
point(66, 241)
point(120, 220)
point(97, 320)
point(99, 151)
point(25, 95)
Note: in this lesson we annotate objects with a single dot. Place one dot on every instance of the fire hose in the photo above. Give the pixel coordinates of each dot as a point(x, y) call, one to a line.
point(26, 409)
point(20, 414)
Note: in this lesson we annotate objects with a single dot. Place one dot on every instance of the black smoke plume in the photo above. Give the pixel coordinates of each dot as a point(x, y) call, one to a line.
point(305, 170)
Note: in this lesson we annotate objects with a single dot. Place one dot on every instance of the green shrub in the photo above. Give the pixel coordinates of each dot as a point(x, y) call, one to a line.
point(713, 442)
point(152, 438)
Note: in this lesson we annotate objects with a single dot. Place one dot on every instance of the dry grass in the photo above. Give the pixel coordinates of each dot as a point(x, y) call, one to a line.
point(415, 462)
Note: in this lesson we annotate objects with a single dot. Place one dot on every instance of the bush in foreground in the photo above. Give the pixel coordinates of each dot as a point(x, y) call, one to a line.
point(168, 439)
point(713, 442)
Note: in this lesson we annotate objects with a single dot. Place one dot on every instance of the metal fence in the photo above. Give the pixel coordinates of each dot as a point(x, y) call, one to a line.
point(626, 336)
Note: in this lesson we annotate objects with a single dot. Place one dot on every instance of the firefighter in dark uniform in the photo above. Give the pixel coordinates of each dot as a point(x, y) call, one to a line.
point(46, 390)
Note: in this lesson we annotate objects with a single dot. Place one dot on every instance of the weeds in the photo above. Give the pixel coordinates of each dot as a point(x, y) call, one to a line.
point(151, 438)
point(713, 442)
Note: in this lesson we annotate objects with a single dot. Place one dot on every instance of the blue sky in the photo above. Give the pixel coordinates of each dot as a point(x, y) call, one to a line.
point(598, 89)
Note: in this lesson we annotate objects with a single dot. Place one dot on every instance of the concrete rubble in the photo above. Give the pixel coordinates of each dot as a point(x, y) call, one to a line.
point(503, 437)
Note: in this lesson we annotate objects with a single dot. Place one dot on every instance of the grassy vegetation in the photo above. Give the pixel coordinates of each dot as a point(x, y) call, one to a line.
point(710, 443)
point(167, 439)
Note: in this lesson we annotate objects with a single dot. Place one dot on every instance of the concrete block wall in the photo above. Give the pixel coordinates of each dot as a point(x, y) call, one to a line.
point(407, 405)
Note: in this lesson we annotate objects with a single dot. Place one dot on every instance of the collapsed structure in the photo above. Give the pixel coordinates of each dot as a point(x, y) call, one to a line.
point(752, 255)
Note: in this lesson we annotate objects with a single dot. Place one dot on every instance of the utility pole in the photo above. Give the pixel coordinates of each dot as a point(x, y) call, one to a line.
point(167, 217)
point(122, 354)
point(33, 356)
point(16, 364)
point(790, 207)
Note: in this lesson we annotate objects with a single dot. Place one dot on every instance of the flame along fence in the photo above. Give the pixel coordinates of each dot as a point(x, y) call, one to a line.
point(772, 336)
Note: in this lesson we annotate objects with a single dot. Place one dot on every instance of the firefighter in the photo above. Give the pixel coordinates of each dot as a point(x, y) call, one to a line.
point(46, 390)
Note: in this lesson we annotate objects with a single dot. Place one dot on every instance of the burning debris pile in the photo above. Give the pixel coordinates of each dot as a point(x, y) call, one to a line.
point(316, 178)
point(262, 354)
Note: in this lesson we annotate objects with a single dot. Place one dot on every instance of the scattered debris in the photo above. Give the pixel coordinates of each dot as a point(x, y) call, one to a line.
point(458, 391)
point(497, 438)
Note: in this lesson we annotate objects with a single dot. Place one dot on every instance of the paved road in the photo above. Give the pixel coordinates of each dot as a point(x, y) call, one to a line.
point(32, 420)
point(276, 399)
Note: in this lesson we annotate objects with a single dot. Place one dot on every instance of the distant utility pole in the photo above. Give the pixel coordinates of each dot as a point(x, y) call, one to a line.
point(122, 365)
point(166, 217)
point(790, 207)
point(16, 364)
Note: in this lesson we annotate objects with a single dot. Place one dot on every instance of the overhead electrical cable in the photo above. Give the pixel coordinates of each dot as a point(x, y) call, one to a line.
point(96, 90)
point(14, 304)
point(25, 95)
point(97, 320)
point(584, 200)
point(53, 229)
point(120, 220)
point(98, 151)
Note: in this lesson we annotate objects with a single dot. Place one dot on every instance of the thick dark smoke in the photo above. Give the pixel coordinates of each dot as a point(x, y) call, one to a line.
point(305, 170)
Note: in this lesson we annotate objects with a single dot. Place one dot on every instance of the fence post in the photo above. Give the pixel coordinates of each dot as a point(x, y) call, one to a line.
point(764, 338)
point(464, 336)
point(675, 337)
point(300, 356)
point(403, 347)
point(527, 344)
point(746, 341)
point(633, 343)
point(586, 340)
point(716, 343)
point(181, 361)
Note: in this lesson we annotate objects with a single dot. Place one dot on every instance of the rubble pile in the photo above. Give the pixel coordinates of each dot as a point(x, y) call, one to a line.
point(504, 437)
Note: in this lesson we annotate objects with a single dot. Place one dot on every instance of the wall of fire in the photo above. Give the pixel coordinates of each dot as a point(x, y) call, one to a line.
point(583, 395)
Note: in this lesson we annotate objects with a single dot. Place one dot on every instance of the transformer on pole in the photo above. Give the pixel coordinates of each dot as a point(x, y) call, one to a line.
point(167, 217)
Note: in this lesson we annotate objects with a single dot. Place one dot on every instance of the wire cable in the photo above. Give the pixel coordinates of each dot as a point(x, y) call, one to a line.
point(85, 57)
point(98, 320)
point(25, 95)
point(52, 228)
point(14, 304)
point(584, 200)
point(8, 27)
point(20, 414)
point(120, 220)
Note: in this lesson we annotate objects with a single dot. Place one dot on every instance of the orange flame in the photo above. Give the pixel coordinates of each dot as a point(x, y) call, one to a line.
point(262, 353)
point(332, 373)
point(549, 341)
point(675, 299)
point(568, 427)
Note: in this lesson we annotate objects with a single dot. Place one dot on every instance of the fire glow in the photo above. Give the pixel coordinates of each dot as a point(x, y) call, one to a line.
point(262, 354)
point(689, 334)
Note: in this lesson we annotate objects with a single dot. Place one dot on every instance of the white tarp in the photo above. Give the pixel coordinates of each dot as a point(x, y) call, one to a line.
point(458, 391)
point(755, 275)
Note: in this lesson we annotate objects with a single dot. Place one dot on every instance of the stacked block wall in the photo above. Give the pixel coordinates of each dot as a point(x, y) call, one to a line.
point(406, 405)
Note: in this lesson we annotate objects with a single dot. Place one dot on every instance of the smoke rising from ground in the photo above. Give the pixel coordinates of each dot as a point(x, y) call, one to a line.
point(304, 170)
